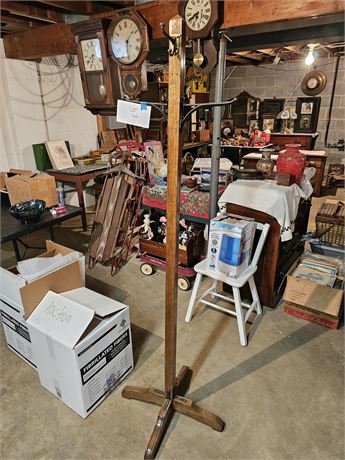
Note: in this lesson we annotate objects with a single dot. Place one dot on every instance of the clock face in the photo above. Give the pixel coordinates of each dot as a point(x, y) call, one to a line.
point(312, 83)
point(197, 14)
point(126, 41)
point(92, 55)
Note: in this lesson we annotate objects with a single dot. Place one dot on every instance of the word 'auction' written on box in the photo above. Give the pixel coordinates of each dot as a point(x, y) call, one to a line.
point(133, 114)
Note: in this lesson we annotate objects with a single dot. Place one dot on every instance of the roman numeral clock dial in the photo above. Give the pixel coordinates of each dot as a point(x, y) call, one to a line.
point(200, 17)
point(128, 46)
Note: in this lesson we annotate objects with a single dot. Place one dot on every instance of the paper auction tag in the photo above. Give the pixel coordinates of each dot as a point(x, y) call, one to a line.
point(132, 113)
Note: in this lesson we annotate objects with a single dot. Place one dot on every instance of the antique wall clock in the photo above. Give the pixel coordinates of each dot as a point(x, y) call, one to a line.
point(200, 17)
point(128, 46)
point(314, 83)
point(99, 74)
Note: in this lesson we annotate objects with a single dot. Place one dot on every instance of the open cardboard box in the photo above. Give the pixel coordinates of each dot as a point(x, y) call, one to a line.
point(15, 292)
point(82, 344)
point(324, 303)
point(30, 185)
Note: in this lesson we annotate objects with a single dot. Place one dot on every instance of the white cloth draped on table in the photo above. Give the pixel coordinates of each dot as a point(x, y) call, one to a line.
point(278, 201)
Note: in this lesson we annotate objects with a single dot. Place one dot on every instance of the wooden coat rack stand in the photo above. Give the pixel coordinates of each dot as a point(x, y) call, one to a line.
point(172, 399)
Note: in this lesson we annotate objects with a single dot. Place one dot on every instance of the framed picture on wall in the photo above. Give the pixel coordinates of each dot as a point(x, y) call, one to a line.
point(268, 122)
point(272, 106)
point(307, 110)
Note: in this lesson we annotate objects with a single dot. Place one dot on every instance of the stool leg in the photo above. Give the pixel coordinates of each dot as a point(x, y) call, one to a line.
point(239, 316)
point(193, 298)
point(255, 295)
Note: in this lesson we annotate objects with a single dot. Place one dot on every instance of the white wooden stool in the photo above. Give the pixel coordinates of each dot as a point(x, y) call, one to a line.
point(236, 284)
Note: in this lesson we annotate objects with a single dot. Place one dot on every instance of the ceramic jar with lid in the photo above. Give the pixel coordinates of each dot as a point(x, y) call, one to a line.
point(265, 164)
point(291, 161)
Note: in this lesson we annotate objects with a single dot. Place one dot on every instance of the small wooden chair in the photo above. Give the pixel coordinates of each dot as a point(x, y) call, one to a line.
point(236, 283)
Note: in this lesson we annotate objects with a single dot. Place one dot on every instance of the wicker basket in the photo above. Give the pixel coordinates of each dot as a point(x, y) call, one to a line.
point(330, 222)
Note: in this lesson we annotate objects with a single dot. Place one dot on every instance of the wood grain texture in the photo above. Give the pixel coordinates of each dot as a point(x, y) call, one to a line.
point(187, 407)
point(58, 39)
point(247, 12)
point(176, 86)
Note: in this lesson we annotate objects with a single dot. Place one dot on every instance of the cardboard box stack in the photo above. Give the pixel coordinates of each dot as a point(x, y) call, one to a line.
point(230, 245)
point(14, 290)
point(78, 340)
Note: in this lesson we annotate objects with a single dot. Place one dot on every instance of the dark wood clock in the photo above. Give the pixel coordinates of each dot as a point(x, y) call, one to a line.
point(99, 73)
point(200, 17)
point(128, 45)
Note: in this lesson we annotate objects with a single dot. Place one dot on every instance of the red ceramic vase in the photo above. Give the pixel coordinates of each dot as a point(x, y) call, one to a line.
point(292, 161)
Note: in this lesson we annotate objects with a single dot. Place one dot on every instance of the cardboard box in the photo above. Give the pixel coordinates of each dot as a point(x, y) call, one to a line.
point(16, 331)
point(15, 291)
point(230, 244)
point(22, 187)
point(323, 302)
point(82, 345)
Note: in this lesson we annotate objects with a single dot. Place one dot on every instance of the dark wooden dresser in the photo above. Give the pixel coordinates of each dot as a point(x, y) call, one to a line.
point(306, 140)
point(276, 257)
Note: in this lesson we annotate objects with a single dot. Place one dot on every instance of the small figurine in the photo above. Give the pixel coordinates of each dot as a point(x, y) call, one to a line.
point(145, 230)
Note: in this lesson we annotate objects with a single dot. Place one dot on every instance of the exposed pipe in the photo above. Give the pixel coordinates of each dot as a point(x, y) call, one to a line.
point(332, 98)
point(217, 114)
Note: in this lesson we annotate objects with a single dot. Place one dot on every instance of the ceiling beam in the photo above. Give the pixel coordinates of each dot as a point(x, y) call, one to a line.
point(82, 7)
point(22, 9)
point(238, 60)
point(249, 55)
point(58, 39)
point(236, 14)
point(248, 12)
point(26, 23)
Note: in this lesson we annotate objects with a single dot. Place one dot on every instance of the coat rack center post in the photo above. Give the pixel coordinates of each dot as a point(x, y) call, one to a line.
point(172, 398)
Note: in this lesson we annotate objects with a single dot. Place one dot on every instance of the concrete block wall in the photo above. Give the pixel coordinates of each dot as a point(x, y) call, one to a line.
point(284, 81)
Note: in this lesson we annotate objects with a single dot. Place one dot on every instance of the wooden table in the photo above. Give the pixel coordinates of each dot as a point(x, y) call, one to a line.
point(79, 178)
point(12, 229)
point(315, 159)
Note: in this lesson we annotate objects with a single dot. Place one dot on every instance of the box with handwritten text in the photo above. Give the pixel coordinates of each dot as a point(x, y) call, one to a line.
point(82, 345)
point(16, 290)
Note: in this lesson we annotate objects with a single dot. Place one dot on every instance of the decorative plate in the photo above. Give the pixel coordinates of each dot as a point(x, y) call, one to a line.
point(314, 82)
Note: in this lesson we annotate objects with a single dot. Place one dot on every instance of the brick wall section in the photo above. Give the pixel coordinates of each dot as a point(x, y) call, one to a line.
point(268, 81)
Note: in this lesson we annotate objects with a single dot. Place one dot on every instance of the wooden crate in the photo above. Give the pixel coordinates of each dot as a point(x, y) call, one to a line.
point(189, 256)
point(330, 222)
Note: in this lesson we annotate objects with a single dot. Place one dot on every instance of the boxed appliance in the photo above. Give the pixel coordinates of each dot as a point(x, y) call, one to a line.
point(82, 345)
point(22, 187)
point(16, 291)
point(230, 245)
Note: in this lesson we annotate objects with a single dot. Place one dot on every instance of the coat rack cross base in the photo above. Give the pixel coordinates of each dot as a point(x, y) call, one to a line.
point(177, 403)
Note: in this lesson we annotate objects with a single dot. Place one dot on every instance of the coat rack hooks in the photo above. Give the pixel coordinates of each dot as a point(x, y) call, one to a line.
point(175, 41)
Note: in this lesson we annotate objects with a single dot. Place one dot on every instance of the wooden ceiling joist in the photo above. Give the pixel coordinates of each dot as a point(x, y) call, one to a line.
point(25, 23)
point(33, 12)
point(80, 7)
point(246, 13)
point(238, 60)
point(58, 39)
point(252, 55)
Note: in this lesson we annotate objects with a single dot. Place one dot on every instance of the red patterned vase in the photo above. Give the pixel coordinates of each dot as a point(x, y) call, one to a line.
point(292, 161)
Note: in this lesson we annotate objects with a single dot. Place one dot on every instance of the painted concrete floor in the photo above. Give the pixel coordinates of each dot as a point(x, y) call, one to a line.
point(281, 397)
